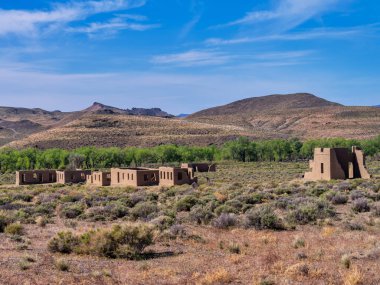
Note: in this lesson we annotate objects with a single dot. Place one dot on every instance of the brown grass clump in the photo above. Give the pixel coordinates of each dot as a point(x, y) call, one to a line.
point(354, 277)
point(219, 276)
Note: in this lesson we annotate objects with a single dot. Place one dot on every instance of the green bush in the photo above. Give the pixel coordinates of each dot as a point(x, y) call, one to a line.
point(14, 229)
point(186, 203)
point(62, 265)
point(262, 218)
point(4, 221)
point(71, 210)
point(225, 209)
point(201, 214)
point(63, 242)
point(310, 212)
point(119, 242)
point(144, 210)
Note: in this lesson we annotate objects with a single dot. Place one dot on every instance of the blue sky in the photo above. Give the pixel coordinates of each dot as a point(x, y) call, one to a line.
point(186, 55)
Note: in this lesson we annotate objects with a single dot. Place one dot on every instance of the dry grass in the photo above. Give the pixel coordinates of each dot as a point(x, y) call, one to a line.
point(354, 277)
point(195, 253)
point(219, 276)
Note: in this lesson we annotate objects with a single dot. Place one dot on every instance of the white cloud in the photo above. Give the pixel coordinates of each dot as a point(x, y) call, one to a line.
point(111, 27)
point(287, 14)
point(318, 33)
point(193, 58)
point(32, 23)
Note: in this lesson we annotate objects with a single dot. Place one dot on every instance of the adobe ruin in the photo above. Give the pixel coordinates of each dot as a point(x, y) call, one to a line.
point(72, 176)
point(170, 176)
point(200, 167)
point(337, 163)
point(99, 178)
point(134, 177)
point(30, 177)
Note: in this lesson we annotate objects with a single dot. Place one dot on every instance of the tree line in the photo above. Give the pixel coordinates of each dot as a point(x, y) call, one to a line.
point(241, 149)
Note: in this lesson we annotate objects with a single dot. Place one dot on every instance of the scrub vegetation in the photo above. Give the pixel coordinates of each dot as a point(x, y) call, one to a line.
point(249, 223)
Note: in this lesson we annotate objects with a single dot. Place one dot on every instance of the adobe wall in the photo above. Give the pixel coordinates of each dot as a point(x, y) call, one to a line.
point(360, 169)
point(200, 167)
point(35, 177)
point(321, 157)
point(134, 177)
point(72, 176)
point(99, 178)
point(170, 176)
point(338, 163)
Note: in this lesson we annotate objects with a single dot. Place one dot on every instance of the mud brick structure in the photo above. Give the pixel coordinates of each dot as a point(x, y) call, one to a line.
point(200, 167)
point(72, 176)
point(337, 163)
point(134, 177)
point(170, 176)
point(99, 178)
point(35, 177)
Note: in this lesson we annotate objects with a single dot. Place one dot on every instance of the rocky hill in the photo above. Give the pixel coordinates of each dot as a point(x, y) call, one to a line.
point(18, 123)
point(299, 115)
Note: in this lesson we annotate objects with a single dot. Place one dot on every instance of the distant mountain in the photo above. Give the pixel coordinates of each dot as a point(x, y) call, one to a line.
point(299, 115)
point(99, 108)
point(378, 106)
point(267, 103)
point(17, 123)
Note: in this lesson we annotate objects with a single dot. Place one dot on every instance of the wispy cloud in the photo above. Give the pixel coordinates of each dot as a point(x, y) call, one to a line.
point(111, 27)
point(196, 10)
point(287, 14)
point(33, 23)
point(193, 58)
point(317, 33)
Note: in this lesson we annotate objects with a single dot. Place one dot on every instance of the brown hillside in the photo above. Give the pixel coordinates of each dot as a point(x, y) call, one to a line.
point(267, 103)
point(121, 130)
point(295, 115)
point(18, 123)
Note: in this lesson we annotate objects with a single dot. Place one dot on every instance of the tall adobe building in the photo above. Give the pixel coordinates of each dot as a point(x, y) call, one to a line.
point(337, 163)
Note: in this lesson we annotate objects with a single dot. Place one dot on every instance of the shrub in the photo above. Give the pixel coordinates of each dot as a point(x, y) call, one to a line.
point(186, 203)
point(201, 214)
point(14, 229)
point(234, 248)
point(318, 191)
point(63, 242)
point(346, 261)
point(339, 199)
point(225, 221)
point(123, 242)
point(225, 209)
point(71, 210)
point(263, 218)
point(4, 221)
point(354, 226)
point(41, 221)
point(111, 211)
point(357, 194)
point(298, 242)
point(177, 231)
point(163, 222)
point(144, 210)
point(62, 265)
point(24, 265)
point(309, 212)
point(360, 205)
point(234, 203)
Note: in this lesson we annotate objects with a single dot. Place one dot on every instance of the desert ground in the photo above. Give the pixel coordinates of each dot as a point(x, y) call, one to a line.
point(248, 223)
